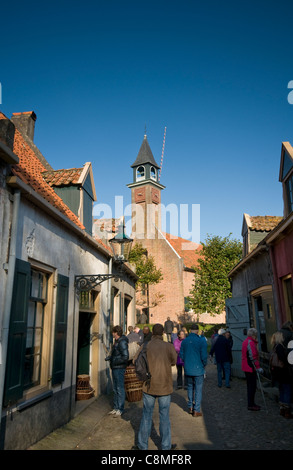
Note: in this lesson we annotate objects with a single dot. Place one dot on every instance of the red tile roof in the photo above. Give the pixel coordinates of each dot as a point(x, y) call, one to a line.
point(62, 177)
point(30, 169)
point(186, 249)
point(264, 223)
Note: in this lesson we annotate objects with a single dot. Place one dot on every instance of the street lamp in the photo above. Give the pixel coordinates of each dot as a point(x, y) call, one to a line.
point(121, 246)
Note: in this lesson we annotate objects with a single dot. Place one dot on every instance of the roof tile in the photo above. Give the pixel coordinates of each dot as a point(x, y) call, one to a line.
point(189, 251)
point(264, 223)
point(30, 169)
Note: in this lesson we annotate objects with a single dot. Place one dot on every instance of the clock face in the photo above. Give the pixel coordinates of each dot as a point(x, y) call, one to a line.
point(139, 195)
point(155, 196)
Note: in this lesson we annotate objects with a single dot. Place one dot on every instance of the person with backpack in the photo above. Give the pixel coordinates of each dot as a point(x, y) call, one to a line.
point(161, 356)
point(118, 362)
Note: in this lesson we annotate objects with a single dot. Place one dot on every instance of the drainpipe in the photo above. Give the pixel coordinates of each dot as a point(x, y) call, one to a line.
point(109, 303)
point(106, 326)
point(8, 294)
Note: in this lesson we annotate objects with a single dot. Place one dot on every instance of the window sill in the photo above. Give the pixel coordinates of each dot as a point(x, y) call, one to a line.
point(33, 401)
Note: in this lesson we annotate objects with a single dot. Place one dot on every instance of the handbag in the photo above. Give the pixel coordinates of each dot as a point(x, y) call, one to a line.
point(275, 362)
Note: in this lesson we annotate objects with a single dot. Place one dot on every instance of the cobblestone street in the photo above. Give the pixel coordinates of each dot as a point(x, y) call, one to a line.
point(226, 423)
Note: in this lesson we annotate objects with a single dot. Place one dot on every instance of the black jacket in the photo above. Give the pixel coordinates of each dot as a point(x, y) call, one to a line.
point(222, 349)
point(120, 356)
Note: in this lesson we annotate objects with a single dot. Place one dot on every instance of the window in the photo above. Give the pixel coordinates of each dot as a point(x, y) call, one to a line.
point(29, 364)
point(153, 173)
point(35, 326)
point(87, 300)
point(140, 173)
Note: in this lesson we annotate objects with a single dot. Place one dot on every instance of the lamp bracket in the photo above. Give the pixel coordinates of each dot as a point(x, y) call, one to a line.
point(88, 281)
point(95, 335)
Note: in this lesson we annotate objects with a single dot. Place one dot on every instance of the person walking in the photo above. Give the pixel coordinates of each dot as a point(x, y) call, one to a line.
point(118, 362)
point(139, 332)
point(168, 328)
point(228, 335)
point(194, 354)
point(222, 350)
point(250, 366)
point(147, 334)
point(132, 336)
point(282, 374)
point(174, 334)
point(161, 357)
point(179, 364)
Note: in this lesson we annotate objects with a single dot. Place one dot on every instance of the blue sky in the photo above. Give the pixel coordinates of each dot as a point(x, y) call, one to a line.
point(214, 73)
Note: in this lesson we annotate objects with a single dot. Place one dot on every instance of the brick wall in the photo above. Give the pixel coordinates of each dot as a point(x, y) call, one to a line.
point(171, 287)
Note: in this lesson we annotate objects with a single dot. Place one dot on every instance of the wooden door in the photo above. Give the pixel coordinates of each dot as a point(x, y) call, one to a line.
point(237, 320)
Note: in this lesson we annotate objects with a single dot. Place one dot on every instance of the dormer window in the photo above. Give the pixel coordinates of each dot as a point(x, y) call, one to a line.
point(286, 177)
point(140, 173)
point(153, 173)
point(289, 188)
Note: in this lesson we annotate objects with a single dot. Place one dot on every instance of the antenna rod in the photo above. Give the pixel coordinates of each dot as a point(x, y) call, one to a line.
point(163, 148)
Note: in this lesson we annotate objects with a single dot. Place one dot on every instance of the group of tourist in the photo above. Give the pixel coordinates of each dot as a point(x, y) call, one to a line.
point(189, 352)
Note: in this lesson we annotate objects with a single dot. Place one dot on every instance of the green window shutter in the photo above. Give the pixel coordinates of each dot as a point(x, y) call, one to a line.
point(59, 356)
point(17, 333)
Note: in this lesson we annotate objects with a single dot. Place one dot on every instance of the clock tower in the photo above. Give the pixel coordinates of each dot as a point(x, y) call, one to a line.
point(145, 194)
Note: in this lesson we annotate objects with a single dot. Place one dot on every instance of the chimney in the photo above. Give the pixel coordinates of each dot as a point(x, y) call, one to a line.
point(7, 130)
point(25, 123)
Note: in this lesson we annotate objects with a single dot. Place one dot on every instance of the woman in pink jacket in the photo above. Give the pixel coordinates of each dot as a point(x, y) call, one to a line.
point(250, 366)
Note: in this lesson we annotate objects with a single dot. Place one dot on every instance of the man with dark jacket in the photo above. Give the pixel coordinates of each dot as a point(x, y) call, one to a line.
point(168, 328)
point(118, 363)
point(161, 357)
point(223, 353)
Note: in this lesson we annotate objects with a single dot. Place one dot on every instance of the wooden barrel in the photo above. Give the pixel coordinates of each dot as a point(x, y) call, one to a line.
point(83, 389)
point(133, 386)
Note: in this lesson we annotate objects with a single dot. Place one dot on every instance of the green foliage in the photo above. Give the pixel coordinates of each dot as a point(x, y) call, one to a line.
point(211, 284)
point(145, 266)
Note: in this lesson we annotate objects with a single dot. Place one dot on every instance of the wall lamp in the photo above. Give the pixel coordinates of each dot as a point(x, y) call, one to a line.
point(121, 246)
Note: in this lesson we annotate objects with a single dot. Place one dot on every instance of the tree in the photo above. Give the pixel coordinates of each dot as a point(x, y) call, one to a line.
point(211, 284)
point(146, 271)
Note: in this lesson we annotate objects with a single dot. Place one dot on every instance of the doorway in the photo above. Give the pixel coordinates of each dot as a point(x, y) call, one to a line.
point(84, 341)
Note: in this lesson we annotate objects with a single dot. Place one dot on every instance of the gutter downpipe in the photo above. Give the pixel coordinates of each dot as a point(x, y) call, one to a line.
point(107, 325)
point(8, 294)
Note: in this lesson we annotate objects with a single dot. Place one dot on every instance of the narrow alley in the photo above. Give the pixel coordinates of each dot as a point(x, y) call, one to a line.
point(226, 423)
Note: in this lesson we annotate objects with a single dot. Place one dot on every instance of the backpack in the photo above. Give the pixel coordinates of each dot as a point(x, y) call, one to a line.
point(141, 365)
point(132, 349)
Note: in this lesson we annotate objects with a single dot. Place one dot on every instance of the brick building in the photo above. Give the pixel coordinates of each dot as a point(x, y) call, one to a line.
point(174, 255)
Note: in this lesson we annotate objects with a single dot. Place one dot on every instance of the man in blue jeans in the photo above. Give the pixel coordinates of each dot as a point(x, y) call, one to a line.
point(223, 353)
point(194, 354)
point(118, 363)
point(161, 357)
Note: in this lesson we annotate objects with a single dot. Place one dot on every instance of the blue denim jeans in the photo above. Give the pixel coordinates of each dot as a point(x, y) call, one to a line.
point(147, 418)
point(285, 393)
point(226, 367)
point(194, 391)
point(118, 389)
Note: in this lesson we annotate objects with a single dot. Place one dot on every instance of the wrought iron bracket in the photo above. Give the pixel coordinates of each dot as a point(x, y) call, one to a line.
point(95, 335)
point(88, 282)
